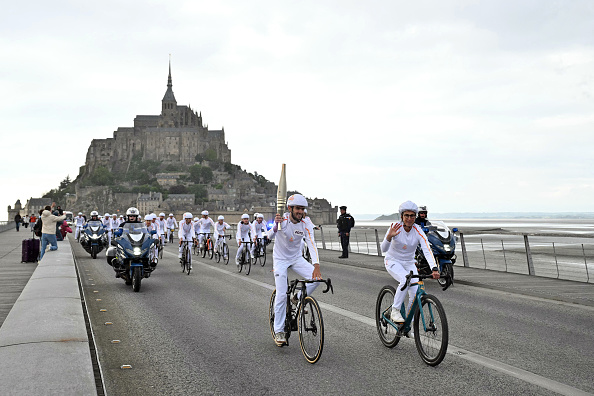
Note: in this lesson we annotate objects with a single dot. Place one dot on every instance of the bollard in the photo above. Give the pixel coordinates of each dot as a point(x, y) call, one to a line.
point(528, 256)
point(504, 258)
point(379, 248)
point(323, 239)
point(484, 257)
point(357, 242)
point(464, 254)
point(556, 263)
point(585, 263)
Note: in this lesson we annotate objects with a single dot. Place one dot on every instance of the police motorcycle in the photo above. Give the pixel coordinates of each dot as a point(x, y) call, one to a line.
point(93, 237)
point(442, 241)
point(131, 256)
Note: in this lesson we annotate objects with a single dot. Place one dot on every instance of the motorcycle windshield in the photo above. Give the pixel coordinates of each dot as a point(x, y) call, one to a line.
point(135, 231)
point(440, 228)
point(94, 223)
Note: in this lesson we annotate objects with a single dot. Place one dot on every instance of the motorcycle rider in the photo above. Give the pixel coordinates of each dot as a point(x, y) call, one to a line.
point(287, 254)
point(422, 219)
point(79, 222)
point(243, 235)
point(132, 216)
point(400, 244)
point(186, 233)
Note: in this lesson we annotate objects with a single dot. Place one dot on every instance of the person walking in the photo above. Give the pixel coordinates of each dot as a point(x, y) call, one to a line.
point(344, 224)
point(48, 229)
point(17, 220)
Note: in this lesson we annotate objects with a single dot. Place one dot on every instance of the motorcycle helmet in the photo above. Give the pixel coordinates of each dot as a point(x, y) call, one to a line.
point(297, 200)
point(132, 212)
point(187, 215)
point(408, 206)
point(423, 209)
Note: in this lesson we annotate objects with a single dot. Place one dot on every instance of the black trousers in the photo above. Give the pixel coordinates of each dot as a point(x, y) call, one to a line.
point(344, 242)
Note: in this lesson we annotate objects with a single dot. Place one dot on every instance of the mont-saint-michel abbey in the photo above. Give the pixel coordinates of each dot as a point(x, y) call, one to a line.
point(171, 162)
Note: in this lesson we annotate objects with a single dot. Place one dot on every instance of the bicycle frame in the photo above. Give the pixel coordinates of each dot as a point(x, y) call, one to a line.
point(290, 319)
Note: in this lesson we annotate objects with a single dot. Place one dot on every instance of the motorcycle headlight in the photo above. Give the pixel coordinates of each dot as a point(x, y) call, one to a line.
point(94, 236)
point(447, 248)
point(137, 251)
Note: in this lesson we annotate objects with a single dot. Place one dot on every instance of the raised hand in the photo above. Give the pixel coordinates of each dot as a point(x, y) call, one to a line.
point(394, 230)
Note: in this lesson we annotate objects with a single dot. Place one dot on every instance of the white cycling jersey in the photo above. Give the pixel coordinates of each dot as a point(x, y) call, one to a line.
point(79, 221)
point(220, 229)
point(171, 222)
point(289, 237)
point(243, 231)
point(186, 231)
point(402, 247)
point(162, 225)
point(258, 229)
point(206, 225)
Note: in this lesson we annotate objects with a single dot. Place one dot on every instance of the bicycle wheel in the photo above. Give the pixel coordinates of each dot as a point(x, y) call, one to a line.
point(311, 329)
point(263, 257)
point(387, 333)
point(160, 250)
point(218, 254)
point(271, 312)
point(248, 263)
point(431, 330)
point(226, 254)
point(210, 248)
point(241, 261)
point(183, 258)
point(189, 264)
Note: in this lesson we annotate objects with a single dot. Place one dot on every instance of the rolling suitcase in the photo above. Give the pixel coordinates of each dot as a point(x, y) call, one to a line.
point(30, 250)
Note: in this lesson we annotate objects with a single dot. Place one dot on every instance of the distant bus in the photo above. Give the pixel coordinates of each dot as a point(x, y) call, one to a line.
point(69, 217)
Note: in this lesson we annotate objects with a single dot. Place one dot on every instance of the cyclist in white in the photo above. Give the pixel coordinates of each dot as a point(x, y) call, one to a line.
point(400, 243)
point(186, 233)
point(219, 235)
point(107, 223)
point(259, 230)
point(79, 222)
point(287, 254)
point(162, 226)
point(171, 224)
point(243, 235)
point(206, 226)
point(115, 222)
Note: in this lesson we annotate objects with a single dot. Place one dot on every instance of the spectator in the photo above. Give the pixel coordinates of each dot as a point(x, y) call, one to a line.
point(32, 221)
point(64, 229)
point(58, 225)
point(344, 223)
point(17, 220)
point(48, 230)
point(59, 209)
point(26, 221)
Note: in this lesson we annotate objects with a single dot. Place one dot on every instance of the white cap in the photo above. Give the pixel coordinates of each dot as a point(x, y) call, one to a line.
point(204, 213)
point(408, 206)
point(187, 215)
point(245, 216)
point(221, 217)
point(297, 200)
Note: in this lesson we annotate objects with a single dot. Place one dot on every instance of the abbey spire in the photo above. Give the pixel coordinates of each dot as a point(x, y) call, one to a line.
point(169, 104)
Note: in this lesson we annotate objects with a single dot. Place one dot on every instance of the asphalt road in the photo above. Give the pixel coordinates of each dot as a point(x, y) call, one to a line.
point(207, 333)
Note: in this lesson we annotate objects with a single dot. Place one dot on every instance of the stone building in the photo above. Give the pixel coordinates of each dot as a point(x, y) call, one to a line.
point(33, 205)
point(148, 203)
point(175, 137)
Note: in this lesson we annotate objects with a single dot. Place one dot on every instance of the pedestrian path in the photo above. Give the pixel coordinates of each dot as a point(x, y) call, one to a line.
point(549, 288)
point(14, 275)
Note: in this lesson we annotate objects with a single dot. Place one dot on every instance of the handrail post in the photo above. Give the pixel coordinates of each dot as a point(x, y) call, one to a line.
point(464, 254)
point(323, 239)
point(528, 256)
point(379, 248)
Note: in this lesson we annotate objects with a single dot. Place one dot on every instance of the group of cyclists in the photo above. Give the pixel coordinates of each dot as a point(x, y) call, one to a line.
point(291, 231)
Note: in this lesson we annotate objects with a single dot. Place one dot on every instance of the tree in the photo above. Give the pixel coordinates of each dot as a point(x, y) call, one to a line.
point(65, 183)
point(179, 189)
point(101, 177)
point(210, 155)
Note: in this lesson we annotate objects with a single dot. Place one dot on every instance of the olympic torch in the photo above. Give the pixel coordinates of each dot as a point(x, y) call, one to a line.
point(281, 194)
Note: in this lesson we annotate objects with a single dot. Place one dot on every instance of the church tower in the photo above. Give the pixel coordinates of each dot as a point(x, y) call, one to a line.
point(169, 104)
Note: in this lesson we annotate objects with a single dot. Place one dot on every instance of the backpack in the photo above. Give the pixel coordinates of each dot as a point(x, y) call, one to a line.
point(37, 228)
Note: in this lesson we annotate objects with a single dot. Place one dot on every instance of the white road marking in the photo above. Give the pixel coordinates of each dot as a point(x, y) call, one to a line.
point(453, 350)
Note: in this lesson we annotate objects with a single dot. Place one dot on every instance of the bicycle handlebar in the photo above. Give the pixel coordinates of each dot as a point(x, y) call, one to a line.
point(328, 283)
point(421, 277)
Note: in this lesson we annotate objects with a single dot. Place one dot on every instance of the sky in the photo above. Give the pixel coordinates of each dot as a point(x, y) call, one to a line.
point(463, 106)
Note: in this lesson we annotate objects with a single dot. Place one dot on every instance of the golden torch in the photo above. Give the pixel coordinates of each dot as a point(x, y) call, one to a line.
point(281, 194)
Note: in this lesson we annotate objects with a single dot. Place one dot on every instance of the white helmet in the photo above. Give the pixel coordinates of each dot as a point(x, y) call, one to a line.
point(153, 216)
point(115, 214)
point(161, 214)
point(297, 200)
point(187, 215)
point(245, 216)
point(121, 216)
point(132, 212)
point(170, 214)
point(258, 215)
point(221, 217)
point(107, 214)
point(80, 213)
point(204, 213)
point(94, 213)
point(408, 206)
point(196, 219)
point(148, 217)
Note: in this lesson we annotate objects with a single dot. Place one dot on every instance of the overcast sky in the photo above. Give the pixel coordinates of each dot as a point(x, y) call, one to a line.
point(465, 106)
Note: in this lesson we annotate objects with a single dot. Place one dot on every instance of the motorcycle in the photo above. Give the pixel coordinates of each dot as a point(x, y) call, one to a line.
point(131, 257)
point(93, 238)
point(443, 245)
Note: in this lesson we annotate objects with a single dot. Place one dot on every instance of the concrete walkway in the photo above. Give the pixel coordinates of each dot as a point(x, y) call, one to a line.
point(44, 347)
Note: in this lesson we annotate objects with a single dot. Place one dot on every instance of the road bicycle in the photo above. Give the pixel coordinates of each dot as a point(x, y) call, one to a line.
point(206, 246)
point(260, 252)
point(160, 248)
point(305, 317)
point(186, 258)
point(171, 235)
point(426, 316)
point(222, 251)
point(246, 258)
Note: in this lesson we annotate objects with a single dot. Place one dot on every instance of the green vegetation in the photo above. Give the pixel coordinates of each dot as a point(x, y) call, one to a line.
point(199, 191)
point(200, 174)
point(58, 194)
point(179, 189)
